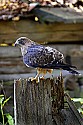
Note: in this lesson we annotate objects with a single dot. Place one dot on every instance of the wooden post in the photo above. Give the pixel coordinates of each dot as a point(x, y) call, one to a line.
point(57, 95)
point(43, 103)
point(33, 102)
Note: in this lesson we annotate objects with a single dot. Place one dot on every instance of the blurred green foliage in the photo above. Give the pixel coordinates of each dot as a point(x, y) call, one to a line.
point(79, 104)
point(5, 118)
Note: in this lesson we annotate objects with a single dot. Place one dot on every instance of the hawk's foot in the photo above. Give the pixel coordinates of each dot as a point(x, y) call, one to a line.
point(34, 79)
point(42, 77)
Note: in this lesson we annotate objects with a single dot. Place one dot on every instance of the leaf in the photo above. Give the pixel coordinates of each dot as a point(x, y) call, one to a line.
point(10, 119)
point(80, 110)
point(1, 98)
point(6, 101)
point(78, 100)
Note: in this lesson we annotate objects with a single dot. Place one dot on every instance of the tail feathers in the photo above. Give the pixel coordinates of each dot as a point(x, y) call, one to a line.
point(68, 68)
point(63, 66)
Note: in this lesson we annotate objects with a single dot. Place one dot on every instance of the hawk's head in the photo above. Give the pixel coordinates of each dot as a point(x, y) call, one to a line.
point(23, 41)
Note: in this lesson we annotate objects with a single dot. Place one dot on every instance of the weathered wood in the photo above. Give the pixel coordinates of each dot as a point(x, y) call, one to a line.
point(41, 33)
point(43, 103)
point(50, 14)
point(74, 109)
point(66, 117)
point(9, 52)
point(58, 95)
point(14, 67)
point(11, 61)
point(62, 114)
point(33, 102)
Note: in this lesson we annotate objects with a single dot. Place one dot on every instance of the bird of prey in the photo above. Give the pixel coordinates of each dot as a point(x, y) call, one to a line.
point(45, 59)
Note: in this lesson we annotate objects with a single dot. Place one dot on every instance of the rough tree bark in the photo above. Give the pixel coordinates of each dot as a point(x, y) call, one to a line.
point(33, 102)
point(43, 103)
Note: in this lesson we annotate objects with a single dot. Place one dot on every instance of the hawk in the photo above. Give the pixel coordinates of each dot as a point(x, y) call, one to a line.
point(43, 58)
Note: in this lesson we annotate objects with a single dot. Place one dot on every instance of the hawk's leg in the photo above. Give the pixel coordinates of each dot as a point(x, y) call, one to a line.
point(37, 76)
point(42, 77)
point(60, 72)
point(41, 71)
point(44, 71)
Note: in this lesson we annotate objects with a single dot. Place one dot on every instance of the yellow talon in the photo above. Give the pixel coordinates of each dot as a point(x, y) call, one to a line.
point(40, 71)
point(42, 77)
point(34, 79)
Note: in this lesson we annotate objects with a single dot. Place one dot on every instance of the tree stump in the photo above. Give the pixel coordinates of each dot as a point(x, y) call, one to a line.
point(33, 102)
point(43, 103)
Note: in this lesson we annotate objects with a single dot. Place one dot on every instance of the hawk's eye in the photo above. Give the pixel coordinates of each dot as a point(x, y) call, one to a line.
point(21, 42)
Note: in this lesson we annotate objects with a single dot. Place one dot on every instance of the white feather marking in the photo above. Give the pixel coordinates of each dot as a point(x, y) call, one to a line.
point(23, 51)
point(49, 49)
point(27, 65)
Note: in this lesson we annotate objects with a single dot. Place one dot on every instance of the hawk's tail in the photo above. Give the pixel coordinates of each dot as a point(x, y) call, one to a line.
point(67, 67)
point(61, 65)
point(70, 69)
point(64, 66)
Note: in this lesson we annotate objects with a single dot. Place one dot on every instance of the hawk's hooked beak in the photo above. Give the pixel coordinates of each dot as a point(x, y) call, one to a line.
point(17, 44)
point(20, 42)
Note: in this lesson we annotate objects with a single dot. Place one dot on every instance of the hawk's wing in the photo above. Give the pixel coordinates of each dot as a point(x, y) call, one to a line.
point(41, 56)
point(46, 57)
